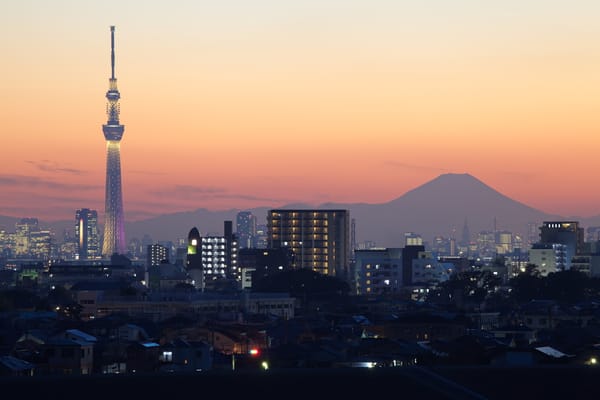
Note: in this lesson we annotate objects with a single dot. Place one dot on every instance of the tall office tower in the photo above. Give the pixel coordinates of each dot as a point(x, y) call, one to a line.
point(40, 244)
point(246, 229)
point(465, 237)
point(486, 244)
point(23, 230)
point(504, 242)
point(114, 220)
point(319, 239)
point(86, 231)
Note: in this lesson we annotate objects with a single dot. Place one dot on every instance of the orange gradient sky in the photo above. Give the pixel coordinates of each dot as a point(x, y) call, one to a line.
point(239, 104)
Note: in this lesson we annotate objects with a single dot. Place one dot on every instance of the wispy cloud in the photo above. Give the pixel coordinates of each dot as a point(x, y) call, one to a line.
point(53, 166)
point(37, 182)
point(187, 191)
point(207, 192)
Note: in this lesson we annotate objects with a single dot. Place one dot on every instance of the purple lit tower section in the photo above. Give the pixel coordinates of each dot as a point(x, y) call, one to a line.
point(114, 221)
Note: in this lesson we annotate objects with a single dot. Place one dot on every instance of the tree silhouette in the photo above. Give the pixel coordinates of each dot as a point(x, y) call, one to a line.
point(301, 283)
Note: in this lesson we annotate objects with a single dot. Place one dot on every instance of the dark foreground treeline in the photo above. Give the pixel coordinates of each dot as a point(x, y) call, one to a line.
point(437, 383)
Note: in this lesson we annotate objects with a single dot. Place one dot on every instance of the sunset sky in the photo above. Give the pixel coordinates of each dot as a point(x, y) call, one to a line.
point(246, 103)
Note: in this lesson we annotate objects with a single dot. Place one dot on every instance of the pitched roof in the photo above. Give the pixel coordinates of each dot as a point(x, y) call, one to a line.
point(15, 364)
point(552, 352)
point(81, 335)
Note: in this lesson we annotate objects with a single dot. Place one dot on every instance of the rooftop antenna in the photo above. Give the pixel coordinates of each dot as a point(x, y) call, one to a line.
point(112, 52)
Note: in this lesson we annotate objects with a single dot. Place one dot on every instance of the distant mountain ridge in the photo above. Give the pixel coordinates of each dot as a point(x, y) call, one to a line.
point(441, 207)
point(438, 207)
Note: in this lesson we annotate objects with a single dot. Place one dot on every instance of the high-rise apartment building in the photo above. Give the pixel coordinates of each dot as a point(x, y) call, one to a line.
point(548, 257)
point(318, 238)
point(261, 240)
point(246, 229)
point(86, 232)
point(220, 253)
point(567, 233)
point(156, 254)
point(211, 258)
point(114, 220)
point(378, 271)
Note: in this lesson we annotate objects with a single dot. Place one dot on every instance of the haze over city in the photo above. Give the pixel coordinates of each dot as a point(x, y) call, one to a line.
point(241, 104)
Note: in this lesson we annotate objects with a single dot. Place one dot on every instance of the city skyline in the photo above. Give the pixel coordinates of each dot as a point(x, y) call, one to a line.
point(239, 106)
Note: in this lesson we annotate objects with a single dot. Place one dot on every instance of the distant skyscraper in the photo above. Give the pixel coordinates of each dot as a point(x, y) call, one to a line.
point(86, 232)
point(465, 238)
point(246, 229)
point(504, 242)
point(412, 239)
point(23, 235)
point(114, 220)
point(319, 239)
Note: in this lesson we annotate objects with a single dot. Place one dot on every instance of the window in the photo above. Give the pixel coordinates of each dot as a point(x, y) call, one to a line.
point(167, 356)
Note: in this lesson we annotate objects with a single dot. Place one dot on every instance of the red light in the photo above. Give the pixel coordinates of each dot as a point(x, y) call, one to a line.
point(253, 352)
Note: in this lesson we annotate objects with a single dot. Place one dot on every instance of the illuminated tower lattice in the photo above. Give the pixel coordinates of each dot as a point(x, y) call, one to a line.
point(114, 221)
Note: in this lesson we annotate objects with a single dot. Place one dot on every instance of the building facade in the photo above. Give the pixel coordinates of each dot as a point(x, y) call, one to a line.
point(86, 232)
point(246, 229)
point(318, 238)
point(156, 254)
point(378, 271)
point(211, 258)
point(567, 233)
point(548, 257)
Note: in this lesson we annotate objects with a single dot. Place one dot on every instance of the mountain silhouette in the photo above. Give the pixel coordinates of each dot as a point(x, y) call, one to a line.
point(439, 207)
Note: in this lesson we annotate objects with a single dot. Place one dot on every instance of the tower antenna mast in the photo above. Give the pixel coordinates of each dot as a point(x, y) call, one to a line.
point(112, 52)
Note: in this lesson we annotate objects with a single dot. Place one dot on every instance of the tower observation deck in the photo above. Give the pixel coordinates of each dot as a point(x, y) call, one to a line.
point(114, 221)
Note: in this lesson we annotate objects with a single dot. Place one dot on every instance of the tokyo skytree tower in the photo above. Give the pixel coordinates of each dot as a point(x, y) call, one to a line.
point(114, 221)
